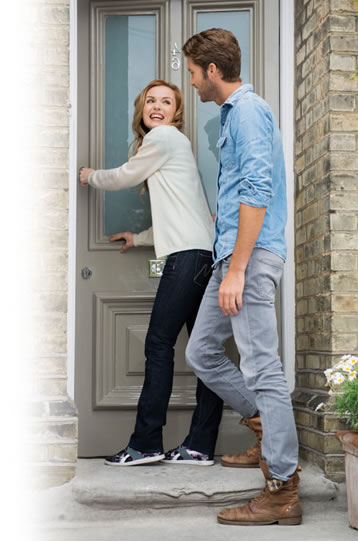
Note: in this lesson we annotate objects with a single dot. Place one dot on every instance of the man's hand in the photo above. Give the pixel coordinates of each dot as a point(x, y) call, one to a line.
point(232, 287)
point(230, 292)
point(128, 238)
point(84, 174)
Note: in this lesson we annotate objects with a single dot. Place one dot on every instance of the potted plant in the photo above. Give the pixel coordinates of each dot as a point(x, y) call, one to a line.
point(343, 383)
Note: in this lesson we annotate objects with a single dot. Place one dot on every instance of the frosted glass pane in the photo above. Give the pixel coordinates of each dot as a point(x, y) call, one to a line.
point(238, 22)
point(130, 64)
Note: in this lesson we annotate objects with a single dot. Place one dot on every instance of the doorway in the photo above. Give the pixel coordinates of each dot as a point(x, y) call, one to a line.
point(122, 45)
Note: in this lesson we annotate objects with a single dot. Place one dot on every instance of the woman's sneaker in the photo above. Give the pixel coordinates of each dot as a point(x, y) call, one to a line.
point(184, 456)
point(130, 457)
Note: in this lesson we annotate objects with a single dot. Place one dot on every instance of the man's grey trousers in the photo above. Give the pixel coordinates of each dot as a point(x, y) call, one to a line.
point(260, 384)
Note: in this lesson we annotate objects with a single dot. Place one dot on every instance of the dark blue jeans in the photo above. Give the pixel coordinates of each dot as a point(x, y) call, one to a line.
point(180, 291)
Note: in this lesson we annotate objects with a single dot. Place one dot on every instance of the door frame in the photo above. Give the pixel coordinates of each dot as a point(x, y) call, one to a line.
point(288, 322)
point(287, 115)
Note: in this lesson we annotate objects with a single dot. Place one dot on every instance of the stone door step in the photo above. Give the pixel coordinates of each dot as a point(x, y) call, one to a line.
point(171, 486)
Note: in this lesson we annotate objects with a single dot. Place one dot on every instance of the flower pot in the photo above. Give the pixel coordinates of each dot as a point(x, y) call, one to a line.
point(349, 442)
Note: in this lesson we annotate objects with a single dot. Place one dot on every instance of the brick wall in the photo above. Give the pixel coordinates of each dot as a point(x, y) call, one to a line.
point(326, 45)
point(52, 415)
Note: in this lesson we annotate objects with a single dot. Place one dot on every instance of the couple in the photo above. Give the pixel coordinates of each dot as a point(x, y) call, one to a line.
point(236, 297)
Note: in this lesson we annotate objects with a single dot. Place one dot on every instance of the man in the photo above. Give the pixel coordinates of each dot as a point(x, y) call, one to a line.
point(249, 253)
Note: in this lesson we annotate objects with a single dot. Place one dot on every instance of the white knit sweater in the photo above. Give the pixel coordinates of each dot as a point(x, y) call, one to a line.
point(180, 213)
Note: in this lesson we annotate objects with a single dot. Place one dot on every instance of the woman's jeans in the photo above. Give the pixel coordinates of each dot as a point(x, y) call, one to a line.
point(259, 384)
point(180, 291)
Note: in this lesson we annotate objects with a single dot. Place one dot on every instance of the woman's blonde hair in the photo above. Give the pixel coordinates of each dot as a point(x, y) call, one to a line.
point(138, 127)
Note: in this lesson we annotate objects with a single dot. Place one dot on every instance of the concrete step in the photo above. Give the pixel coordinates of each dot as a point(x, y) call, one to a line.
point(171, 486)
point(166, 502)
point(321, 521)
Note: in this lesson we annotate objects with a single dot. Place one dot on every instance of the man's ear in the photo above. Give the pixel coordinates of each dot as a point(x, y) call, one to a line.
point(213, 71)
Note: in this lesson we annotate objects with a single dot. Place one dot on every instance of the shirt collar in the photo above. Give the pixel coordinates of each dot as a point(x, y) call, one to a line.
point(237, 94)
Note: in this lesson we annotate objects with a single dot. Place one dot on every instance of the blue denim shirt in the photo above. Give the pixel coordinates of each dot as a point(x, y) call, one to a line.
point(251, 171)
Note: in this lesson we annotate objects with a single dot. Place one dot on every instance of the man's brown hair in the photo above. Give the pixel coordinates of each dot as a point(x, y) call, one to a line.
point(217, 46)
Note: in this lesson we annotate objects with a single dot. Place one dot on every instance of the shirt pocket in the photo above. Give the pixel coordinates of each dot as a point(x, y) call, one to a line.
point(226, 148)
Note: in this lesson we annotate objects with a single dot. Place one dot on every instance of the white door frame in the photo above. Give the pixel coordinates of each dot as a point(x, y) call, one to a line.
point(287, 130)
point(72, 221)
point(287, 78)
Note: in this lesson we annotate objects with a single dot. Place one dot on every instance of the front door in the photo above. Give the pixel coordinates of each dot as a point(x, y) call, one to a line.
point(122, 45)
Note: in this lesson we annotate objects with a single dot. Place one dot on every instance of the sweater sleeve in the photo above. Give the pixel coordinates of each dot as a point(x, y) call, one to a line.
point(144, 238)
point(150, 157)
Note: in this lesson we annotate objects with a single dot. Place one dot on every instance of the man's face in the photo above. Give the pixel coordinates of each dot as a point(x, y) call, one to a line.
point(202, 82)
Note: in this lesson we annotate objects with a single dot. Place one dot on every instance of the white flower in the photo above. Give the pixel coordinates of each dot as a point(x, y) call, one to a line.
point(346, 369)
point(338, 378)
point(319, 407)
point(328, 374)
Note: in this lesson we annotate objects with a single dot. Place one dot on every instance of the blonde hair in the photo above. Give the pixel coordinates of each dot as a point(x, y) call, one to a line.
point(138, 126)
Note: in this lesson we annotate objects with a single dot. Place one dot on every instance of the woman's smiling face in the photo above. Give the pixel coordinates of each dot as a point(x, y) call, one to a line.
point(159, 107)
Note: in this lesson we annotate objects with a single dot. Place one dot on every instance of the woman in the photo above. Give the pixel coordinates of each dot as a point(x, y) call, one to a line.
point(182, 231)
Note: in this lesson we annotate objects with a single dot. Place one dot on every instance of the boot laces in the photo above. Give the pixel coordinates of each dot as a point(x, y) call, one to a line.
point(261, 497)
point(272, 486)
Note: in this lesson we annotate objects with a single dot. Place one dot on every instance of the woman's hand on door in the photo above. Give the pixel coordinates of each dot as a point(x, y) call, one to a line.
point(84, 174)
point(127, 236)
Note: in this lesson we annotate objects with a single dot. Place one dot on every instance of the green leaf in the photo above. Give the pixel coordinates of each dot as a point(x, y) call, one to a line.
point(346, 402)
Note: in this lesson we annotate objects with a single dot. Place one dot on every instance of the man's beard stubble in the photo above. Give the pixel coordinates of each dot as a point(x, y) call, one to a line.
point(207, 92)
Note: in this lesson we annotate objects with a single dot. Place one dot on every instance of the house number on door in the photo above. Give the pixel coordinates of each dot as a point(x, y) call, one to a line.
point(176, 52)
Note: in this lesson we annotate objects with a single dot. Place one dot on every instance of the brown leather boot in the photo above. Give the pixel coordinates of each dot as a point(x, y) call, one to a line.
point(250, 458)
point(278, 503)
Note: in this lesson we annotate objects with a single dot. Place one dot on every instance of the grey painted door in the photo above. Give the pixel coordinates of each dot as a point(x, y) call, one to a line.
point(122, 45)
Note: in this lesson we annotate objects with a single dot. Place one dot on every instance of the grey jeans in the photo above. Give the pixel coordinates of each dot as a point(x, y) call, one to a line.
point(259, 385)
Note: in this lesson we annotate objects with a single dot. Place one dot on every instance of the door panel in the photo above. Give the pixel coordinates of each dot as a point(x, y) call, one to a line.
point(122, 46)
point(121, 324)
point(255, 24)
point(128, 49)
point(127, 39)
point(208, 118)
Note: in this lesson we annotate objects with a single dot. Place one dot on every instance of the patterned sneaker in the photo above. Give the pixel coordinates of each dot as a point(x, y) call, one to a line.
point(183, 456)
point(130, 457)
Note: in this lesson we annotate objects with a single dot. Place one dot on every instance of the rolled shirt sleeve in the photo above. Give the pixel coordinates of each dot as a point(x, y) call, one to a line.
point(254, 145)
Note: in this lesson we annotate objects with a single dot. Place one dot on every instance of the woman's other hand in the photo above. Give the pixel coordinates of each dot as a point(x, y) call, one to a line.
point(128, 238)
point(84, 174)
